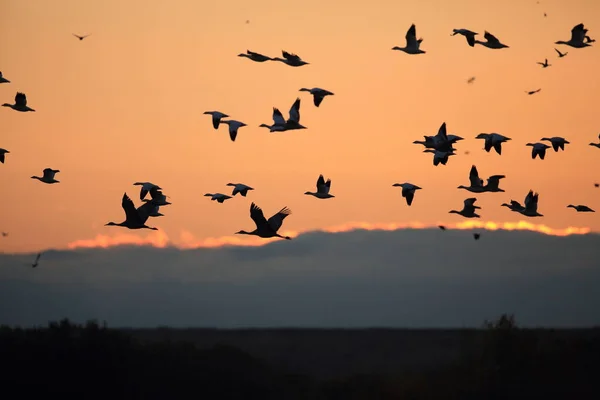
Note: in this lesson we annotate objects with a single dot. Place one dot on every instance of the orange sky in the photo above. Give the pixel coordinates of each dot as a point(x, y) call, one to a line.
point(126, 105)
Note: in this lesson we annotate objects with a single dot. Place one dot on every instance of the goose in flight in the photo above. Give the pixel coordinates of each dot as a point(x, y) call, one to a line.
point(469, 35)
point(471, 80)
point(2, 155)
point(557, 142)
point(4, 234)
point(255, 56)
point(48, 176)
point(290, 59)
point(596, 144)
point(233, 127)
point(491, 42)
point(442, 227)
point(146, 187)
point(531, 204)
point(493, 183)
point(577, 40)
point(468, 210)
point(561, 55)
point(513, 206)
point(476, 236)
point(3, 79)
point(36, 262)
point(158, 198)
point(494, 140)
point(239, 188)
point(154, 211)
point(544, 64)
point(581, 208)
point(476, 183)
point(322, 189)
point(440, 156)
point(318, 94)
point(20, 103)
point(135, 218)
point(413, 46)
point(220, 197)
point(216, 117)
point(441, 141)
point(80, 37)
point(280, 124)
point(538, 149)
point(266, 228)
point(408, 191)
point(530, 92)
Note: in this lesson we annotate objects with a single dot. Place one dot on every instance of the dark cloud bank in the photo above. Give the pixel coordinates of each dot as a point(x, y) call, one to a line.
point(404, 278)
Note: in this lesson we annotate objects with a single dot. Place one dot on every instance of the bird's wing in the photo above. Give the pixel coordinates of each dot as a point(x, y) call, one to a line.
point(317, 98)
point(290, 56)
point(278, 117)
point(442, 132)
point(470, 202)
point(131, 213)
point(490, 38)
point(411, 36)
point(321, 184)
point(474, 177)
point(256, 213)
point(145, 210)
point(20, 99)
point(494, 180)
point(578, 33)
point(233, 131)
point(48, 173)
point(295, 111)
point(276, 220)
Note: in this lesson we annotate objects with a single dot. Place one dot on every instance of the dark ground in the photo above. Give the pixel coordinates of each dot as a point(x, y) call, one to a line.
point(499, 361)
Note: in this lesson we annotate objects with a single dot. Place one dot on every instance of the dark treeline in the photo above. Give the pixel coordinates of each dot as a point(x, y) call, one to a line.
point(94, 362)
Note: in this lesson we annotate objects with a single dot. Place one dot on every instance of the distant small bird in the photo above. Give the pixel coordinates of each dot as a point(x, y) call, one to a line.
point(318, 94)
point(469, 35)
point(561, 55)
point(577, 40)
point(471, 80)
point(280, 124)
point(544, 64)
point(322, 189)
point(3, 79)
point(233, 127)
point(442, 227)
point(469, 208)
point(219, 197)
point(4, 234)
point(413, 46)
point(255, 56)
point(216, 117)
point(2, 153)
point(48, 176)
point(580, 208)
point(476, 236)
point(530, 92)
point(596, 184)
point(80, 37)
point(36, 262)
point(492, 42)
point(239, 188)
point(290, 59)
point(20, 103)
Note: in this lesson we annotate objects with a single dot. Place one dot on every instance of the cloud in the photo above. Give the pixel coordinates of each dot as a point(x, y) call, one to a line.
point(186, 240)
point(403, 277)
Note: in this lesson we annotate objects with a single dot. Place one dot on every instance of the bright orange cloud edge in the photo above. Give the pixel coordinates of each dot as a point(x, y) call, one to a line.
point(186, 240)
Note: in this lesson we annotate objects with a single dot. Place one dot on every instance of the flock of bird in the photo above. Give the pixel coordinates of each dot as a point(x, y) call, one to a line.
point(441, 146)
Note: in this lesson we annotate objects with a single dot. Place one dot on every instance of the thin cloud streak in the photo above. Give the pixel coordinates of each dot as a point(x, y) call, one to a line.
point(187, 240)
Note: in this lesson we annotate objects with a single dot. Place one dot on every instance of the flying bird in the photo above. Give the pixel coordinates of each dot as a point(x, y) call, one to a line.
point(219, 197)
point(4, 234)
point(318, 94)
point(580, 208)
point(80, 37)
point(531, 205)
point(440, 157)
point(233, 127)
point(561, 55)
point(557, 142)
point(135, 218)
point(544, 64)
point(577, 40)
point(290, 59)
point(469, 208)
point(157, 197)
point(413, 46)
point(3, 152)
point(255, 56)
point(322, 189)
point(442, 227)
point(146, 187)
point(530, 92)
point(267, 228)
point(408, 191)
point(469, 35)
point(492, 42)
point(20, 103)
point(538, 149)
point(239, 188)
point(493, 140)
point(36, 262)
point(216, 117)
point(280, 124)
point(476, 183)
point(48, 176)
point(471, 80)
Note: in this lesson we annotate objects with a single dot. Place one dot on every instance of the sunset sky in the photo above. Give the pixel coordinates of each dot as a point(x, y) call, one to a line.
point(126, 104)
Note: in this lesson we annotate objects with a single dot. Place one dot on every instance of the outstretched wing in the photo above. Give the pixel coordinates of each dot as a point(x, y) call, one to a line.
point(474, 177)
point(411, 36)
point(578, 33)
point(131, 213)
point(20, 99)
point(145, 210)
point(276, 220)
point(278, 117)
point(295, 111)
point(491, 38)
point(256, 213)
